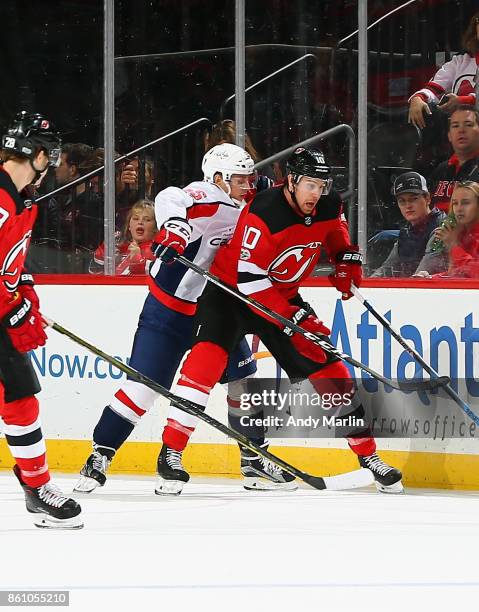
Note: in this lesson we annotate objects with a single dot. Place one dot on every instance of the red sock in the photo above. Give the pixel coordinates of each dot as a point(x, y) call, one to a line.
point(24, 437)
point(176, 435)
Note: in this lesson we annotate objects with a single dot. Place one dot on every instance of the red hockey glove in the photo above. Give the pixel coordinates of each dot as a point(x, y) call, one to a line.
point(172, 239)
point(348, 270)
point(24, 325)
point(306, 347)
point(27, 290)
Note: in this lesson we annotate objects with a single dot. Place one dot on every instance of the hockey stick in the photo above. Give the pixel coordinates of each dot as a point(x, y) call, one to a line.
point(349, 480)
point(447, 387)
point(400, 385)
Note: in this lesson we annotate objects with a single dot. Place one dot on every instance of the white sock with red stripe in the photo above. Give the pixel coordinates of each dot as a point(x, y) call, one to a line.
point(126, 408)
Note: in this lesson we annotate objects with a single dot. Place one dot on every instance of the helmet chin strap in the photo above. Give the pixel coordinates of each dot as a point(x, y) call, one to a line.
point(240, 203)
point(38, 173)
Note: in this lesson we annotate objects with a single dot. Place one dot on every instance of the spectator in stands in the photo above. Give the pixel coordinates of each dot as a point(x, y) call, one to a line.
point(463, 134)
point(133, 250)
point(225, 131)
point(81, 208)
point(96, 182)
point(133, 177)
point(47, 225)
point(452, 84)
point(135, 183)
point(460, 233)
point(414, 200)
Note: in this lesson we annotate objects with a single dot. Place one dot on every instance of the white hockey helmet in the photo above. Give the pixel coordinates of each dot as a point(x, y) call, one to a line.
point(227, 159)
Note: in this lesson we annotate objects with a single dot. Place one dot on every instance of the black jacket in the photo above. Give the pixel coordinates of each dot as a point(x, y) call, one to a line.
point(410, 247)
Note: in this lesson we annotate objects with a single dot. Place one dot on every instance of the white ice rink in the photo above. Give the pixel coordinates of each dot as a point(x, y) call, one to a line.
point(218, 547)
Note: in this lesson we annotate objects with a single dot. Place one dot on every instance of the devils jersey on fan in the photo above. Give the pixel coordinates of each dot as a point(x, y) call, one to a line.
point(17, 216)
point(274, 248)
point(212, 215)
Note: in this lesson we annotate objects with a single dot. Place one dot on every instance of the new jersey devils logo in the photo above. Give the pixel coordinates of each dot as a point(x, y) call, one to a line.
point(12, 265)
point(290, 266)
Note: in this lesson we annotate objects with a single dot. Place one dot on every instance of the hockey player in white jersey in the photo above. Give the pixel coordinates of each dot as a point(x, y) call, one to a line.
point(194, 222)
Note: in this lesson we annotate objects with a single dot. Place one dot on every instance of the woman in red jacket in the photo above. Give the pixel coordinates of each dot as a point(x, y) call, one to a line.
point(133, 251)
point(462, 240)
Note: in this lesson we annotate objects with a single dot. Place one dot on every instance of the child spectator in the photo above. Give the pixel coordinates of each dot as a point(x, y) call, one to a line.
point(133, 251)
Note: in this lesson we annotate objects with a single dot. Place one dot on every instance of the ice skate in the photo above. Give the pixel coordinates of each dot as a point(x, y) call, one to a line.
point(387, 478)
point(172, 476)
point(263, 475)
point(51, 508)
point(93, 473)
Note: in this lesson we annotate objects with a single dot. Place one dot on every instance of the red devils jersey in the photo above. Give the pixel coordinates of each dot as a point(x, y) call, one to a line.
point(444, 178)
point(126, 263)
point(17, 216)
point(274, 249)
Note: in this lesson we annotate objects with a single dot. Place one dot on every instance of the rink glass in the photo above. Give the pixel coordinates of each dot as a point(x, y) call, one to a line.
point(175, 63)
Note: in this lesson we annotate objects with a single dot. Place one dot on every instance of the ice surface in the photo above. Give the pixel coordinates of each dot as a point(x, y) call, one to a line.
point(218, 547)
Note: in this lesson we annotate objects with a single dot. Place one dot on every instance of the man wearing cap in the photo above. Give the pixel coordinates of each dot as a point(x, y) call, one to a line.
point(413, 198)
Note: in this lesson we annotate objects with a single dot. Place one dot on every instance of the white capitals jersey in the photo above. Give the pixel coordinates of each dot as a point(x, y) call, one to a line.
point(212, 215)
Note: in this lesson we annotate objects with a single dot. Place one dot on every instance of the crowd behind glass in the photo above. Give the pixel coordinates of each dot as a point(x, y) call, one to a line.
point(423, 137)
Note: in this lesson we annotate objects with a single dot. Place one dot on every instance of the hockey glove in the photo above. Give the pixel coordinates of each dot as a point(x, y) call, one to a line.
point(27, 290)
point(306, 347)
point(24, 325)
point(348, 270)
point(172, 239)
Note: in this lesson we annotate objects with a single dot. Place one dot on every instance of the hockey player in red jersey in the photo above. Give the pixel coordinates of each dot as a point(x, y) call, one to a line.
point(29, 146)
point(275, 246)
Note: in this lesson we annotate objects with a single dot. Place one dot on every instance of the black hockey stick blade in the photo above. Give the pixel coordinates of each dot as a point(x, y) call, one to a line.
point(423, 385)
point(349, 480)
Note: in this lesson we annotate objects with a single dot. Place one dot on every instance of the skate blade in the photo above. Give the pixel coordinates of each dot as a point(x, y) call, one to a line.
point(168, 487)
point(86, 485)
point(261, 484)
point(44, 521)
point(395, 489)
